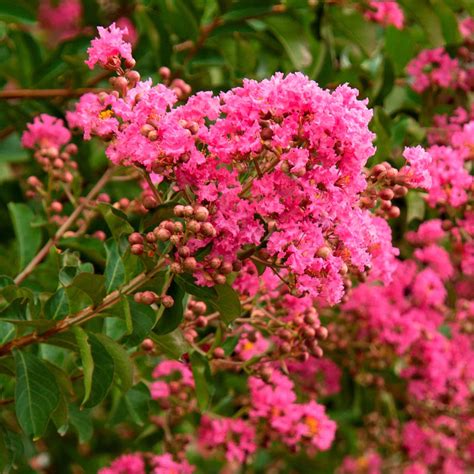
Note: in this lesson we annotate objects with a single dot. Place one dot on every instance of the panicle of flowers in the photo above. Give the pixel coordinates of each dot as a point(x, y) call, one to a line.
point(110, 49)
point(141, 463)
point(235, 436)
point(434, 67)
point(273, 401)
point(61, 19)
point(385, 13)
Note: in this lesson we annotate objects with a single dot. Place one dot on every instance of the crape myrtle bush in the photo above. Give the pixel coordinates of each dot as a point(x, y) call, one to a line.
point(237, 236)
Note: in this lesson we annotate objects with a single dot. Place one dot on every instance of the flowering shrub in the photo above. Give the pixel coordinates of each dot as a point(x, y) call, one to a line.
point(211, 265)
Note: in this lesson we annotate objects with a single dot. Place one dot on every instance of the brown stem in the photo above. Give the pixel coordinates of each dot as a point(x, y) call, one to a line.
point(82, 316)
point(60, 232)
point(45, 93)
point(152, 187)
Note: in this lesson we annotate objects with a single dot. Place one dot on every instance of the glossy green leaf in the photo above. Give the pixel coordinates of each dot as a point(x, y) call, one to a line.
point(293, 39)
point(143, 319)
point(227, 303)
point(85, 352)
point(204, 385)
point(92, 285)
point(172, 344)
point(28, 237)
point(123, 368)
point(171, 317)
point(415, 206)
point(103, 374)
point(57, 306)
point(115, 219)
point(137, 403)
point(114, 269)
point(36, 393)
point(82, 422)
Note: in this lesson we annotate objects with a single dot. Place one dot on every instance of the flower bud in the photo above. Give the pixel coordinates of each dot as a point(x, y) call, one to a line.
point(56, 207)
point(190, 264)
point(150, 237)
point(150, 202)
point(167, 301)
point(201, 322)
point(136, 249)
point(164, 72)
point(201, 214)
point(218, 353)
point(135, 238)
point(178, 210)
point(386, 194)
point(148, 345)
point(184, 251)
point(193, 226)
point(394, 212)
point(220, 279)
point(162, 234)
point(199, 307)
point(188, 211)
point(324, 252)
point(208, 229)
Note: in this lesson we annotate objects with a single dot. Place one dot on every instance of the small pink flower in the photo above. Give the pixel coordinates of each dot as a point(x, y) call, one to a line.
point(109, 48)
point(45, 131)
point(385, 13)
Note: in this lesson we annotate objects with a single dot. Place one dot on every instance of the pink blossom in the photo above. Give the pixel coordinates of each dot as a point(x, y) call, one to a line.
point(45, 131)
point(417, 170)
point(434, 67)
point(109, 48)
point(126, 464)
point(61, 19)
point(385, 13)
point(234, 436)
point(165, 464)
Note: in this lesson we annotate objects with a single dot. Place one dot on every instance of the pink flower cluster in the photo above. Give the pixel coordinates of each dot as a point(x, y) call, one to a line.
point(235, 436)
point(254, 157)
point(436, 68)
point(295, 424)
point(385, 13)
point(45, 132)
point(110, 48)
point(451, 180)
point(61, 19)
point(137, 463)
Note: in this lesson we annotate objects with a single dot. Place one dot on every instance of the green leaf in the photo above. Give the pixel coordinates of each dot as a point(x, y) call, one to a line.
point(14, 449)
point(115, 219)
point(171, 317)
point(415, 206)
point(87, 361)
point(448, 21)
point(400, 47)
point(143, 319)
point(203, 382)
point(103, 374)
point(28, 237)
point(82, 423)
point(173, 344)
point(114, 269)
point(92, 285)
point(57, 306)
point(137, 402)
point(227, 303)
point(290, 34)
point(123, 368)
point(36, 393)
point(16, 13)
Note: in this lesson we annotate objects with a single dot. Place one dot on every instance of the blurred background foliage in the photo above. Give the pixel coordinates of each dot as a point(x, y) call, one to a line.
point(214, 45)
